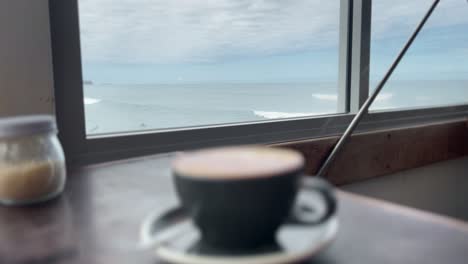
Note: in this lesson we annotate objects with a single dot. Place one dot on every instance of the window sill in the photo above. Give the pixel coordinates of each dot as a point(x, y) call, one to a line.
point(372, 154)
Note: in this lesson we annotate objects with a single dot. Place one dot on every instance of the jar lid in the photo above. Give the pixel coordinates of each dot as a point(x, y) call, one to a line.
point(26, 125)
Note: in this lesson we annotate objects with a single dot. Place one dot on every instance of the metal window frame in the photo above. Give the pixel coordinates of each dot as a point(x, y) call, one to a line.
point(360, 54)
point(345, 59)
point(354, 50)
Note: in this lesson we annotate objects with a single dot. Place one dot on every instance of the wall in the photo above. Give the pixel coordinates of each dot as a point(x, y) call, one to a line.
point(440, 188)
point(26, 81)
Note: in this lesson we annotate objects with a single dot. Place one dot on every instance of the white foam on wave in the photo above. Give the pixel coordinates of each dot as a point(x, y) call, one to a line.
point(90, 101)
point(326, 97)
point(384, 97)
point(274, 115)
point(334, 97)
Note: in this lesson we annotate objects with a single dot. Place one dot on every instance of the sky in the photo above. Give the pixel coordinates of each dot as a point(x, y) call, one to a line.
point(172, 41)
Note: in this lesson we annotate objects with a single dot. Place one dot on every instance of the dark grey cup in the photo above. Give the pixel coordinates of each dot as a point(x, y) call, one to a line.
point(246, 213)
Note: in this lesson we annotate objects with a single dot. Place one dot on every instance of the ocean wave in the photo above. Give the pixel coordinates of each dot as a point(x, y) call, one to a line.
point(325, 97)
point(384, 97)
point(334, 97)
point(274, 115)
point(90, 101)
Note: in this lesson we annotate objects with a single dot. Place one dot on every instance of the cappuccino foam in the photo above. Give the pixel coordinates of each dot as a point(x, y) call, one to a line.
point(238, 162)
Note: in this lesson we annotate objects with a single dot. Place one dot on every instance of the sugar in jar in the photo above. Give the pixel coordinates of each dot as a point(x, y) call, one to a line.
point(32, 162)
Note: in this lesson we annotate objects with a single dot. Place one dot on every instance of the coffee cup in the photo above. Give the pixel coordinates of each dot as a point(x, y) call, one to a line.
point(238, 197)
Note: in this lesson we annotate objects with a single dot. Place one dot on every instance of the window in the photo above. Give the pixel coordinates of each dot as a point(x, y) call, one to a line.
point(256, 72)
point(435, 69)
point(170, 64)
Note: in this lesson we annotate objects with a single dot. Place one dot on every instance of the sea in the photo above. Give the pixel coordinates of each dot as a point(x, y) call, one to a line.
point(111, 108)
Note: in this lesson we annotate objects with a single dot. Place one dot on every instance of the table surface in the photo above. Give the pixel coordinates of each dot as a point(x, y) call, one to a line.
point(97, 220)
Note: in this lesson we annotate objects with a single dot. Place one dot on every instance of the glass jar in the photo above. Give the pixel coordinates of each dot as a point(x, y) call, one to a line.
point(32, 163)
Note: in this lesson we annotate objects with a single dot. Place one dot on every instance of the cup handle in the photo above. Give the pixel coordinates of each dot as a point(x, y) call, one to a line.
point(307, 215)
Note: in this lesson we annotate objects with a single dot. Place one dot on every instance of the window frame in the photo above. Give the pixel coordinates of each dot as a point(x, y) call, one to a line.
point(353, 89)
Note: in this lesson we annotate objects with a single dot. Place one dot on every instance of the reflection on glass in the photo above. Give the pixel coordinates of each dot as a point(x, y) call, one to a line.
point(434, 71)
point(177, 63)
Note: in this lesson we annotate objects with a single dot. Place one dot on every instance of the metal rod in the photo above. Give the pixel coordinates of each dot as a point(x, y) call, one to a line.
point(365, 107)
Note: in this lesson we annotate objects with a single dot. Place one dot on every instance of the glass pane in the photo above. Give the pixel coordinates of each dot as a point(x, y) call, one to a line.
point(178, 63)
point(434, 71)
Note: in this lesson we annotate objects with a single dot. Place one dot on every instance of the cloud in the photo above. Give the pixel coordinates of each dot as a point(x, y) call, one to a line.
point(162, 31)
point(194, 31)
point(400, 17)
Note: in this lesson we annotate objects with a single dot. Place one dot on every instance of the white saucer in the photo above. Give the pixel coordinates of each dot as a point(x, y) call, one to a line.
point(178, 242)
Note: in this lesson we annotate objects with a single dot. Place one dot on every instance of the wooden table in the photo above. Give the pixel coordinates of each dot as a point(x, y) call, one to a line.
point(97, 220)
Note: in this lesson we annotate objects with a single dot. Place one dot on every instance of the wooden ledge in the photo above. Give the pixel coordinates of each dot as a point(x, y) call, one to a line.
point(378, 153)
